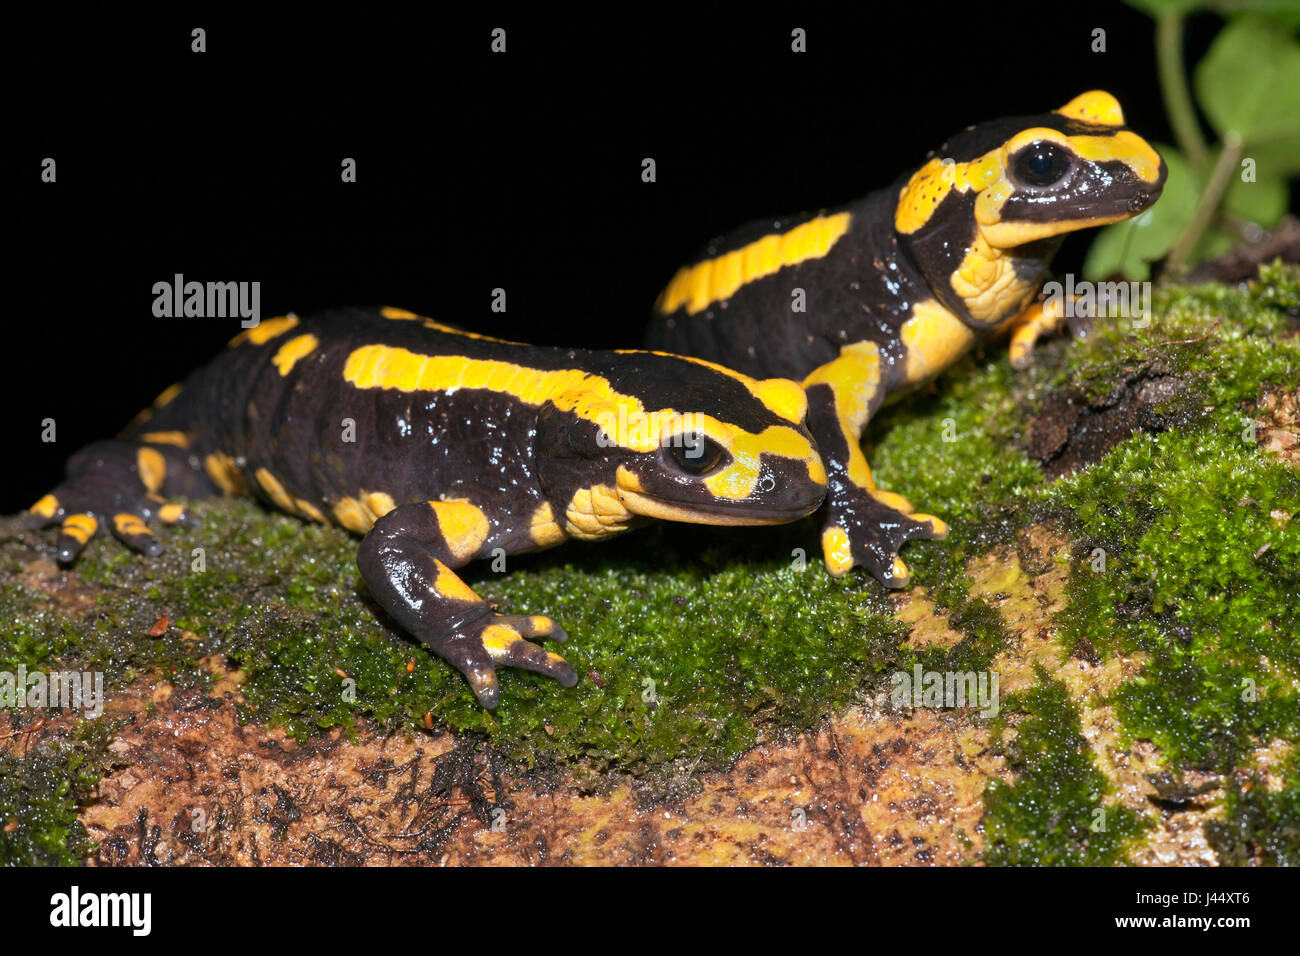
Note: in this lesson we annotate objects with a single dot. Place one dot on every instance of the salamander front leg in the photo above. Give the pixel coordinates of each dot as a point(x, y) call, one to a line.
point(407, 561)
point(119, 483)
point(864, 526)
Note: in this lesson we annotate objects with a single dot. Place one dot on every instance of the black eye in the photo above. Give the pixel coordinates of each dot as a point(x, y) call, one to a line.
point(1041, 164)
point(694, 454)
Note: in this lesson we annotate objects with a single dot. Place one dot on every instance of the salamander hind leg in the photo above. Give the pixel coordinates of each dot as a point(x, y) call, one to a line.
point(864, 526)
point(120, 484)
point(407, 560)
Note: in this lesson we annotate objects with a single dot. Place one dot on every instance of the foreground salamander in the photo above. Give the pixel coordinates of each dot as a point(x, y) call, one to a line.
point(886, 292)
point(440, 446)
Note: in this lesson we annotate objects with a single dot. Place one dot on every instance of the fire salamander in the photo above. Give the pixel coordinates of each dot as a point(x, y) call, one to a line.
point(440, 447)
point(886, 292)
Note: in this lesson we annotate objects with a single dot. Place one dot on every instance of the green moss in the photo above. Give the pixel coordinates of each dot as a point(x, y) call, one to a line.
point(1201, 577)
point(1054, 814)
point(737, 642)
point(39, 792)
point(1261, 825)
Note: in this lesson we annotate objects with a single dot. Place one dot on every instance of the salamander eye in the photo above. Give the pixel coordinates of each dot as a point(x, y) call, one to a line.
point(1041, 164)
point(694, 455)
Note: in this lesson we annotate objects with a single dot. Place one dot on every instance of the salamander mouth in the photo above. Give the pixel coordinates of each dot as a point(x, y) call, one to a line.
point(651, 506)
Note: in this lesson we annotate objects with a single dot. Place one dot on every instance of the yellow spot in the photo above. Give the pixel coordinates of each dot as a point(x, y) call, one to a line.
point(266, 330)
point(308, 510)
point(931, 183)
point(350, 514)
point(167, 394)
point(891, 500)
point(497, 640)
point(837, 551)
point(543, 529)
point(379, 503)
point(1095, 106)
point(1026, 327)
point(934, 338)
point(225, 474)
point(360, 514)
point(152, 467)
point(448, 585)
point(541, 625)
point(389, 312)
point(82, 527)
point(275, 491)
point(938, 525)
point(290, 352)
point(716, 280)
point(47, 507)
point(900, 573)
point(179, 439)
point(1127, 147)
point(987, 282)
point(738, 480)
point(596, 512)
point(129, 524)
point(171, 513)
point(463, 526)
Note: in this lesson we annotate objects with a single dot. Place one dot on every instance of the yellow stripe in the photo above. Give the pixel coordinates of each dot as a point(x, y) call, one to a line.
point(290, 352)
point(699, 286)
point(81, 527)
point(266, 330)
point(129, 524)
point(167, 394)
point(179, 439)
point(854, 380)
point(780, 395)
point(622, 418)
point(389, 312)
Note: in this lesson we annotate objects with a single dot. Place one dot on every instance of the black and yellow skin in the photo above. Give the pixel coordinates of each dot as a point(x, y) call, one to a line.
point(875, 297)
point(440, 447)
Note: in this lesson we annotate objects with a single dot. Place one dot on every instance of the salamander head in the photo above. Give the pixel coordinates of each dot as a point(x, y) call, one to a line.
point(663, 436)
point(1013, 187)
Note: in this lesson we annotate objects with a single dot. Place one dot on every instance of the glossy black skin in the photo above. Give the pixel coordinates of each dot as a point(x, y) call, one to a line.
point(505, 456)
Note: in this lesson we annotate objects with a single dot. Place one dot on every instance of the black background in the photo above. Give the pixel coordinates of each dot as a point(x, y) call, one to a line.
point(475, 170)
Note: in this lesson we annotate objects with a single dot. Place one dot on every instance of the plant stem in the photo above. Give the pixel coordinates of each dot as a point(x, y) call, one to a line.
point(1207, 205)
point(1173, 88)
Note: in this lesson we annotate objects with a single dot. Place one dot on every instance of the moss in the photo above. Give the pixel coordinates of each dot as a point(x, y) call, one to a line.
point(1055, 814)
point(694, 643)
point(40, 789)
point(1261, 825)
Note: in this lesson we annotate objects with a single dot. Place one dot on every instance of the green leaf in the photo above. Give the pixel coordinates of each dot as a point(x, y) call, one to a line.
point(1249, 82)
point(1287, 12)
point(1263, 201)
point(1129, 247)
